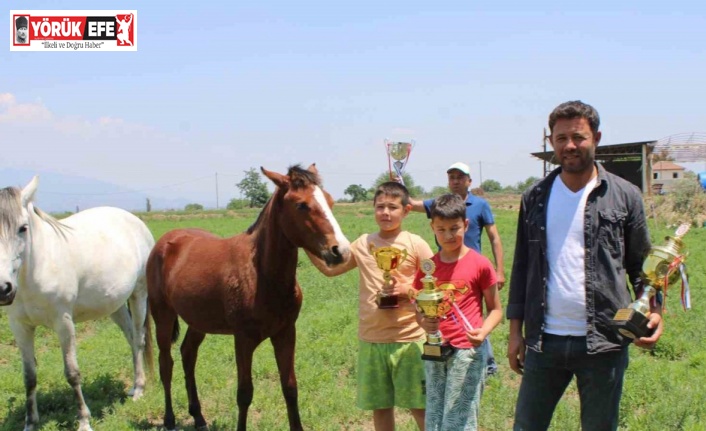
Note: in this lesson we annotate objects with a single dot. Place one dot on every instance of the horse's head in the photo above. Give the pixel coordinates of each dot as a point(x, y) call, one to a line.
point(305, 214)
point(15, 207)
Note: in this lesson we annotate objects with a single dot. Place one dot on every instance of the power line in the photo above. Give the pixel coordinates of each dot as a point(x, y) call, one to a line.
point(130, 191)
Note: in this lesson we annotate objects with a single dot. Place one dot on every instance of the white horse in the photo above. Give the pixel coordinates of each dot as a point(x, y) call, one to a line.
point(54, 273)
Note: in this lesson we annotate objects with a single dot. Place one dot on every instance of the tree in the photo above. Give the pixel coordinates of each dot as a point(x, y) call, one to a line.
point(491, 186)
point(439, 190)
point(193, 207)
point(523, 185)
point(414, 191)
point(254, 189)
point(357, 193)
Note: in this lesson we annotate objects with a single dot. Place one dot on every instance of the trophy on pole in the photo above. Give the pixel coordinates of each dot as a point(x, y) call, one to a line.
point(387, 259)
point(663, 266)
point(432, 302)
point(399, 152)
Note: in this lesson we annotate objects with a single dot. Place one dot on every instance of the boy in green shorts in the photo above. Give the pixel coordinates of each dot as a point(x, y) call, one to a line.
point(454, 385)
point(390, 369)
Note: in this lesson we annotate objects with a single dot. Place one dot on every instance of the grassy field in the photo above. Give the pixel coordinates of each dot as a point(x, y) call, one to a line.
point(664, 388)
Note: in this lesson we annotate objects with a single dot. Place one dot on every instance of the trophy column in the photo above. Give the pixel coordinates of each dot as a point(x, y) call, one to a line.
point(387, 259)
point(433, 303)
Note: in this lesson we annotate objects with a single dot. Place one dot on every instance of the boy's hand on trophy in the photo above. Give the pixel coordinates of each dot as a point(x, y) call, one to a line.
point(476, 337)
point(655, 322)
point(430, 325)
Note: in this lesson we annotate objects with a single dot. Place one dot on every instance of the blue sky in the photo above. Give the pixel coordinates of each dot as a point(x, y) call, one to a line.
point(226, 86)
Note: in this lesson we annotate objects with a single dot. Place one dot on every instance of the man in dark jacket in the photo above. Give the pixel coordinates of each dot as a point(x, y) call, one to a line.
point(580, 231)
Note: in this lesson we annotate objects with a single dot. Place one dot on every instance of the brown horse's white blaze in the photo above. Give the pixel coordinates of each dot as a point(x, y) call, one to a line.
point(341, 247)
point(244, 286)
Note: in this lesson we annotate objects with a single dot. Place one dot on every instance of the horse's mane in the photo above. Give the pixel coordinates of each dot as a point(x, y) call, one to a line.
point(10, 205)
point(298, 179)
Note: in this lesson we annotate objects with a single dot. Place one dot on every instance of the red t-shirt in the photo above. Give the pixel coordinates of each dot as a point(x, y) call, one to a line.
point(466, 278)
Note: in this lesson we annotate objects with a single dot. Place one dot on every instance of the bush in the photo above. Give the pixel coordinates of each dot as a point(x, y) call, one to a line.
point(236, 204)
point(685, 203)
point(193, 207)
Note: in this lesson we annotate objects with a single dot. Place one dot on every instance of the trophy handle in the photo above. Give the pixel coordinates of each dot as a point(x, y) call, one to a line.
point(403, 255)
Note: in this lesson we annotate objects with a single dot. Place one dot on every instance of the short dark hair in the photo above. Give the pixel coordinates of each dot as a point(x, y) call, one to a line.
point(448, 207)
point(575, 109)
point(392, 189)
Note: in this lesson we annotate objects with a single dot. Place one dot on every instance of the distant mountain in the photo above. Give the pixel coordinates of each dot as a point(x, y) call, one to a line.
point(67, 193)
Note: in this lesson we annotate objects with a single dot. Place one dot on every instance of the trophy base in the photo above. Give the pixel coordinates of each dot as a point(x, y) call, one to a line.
point(387, 301)
point(631, 324)
point(437, 352)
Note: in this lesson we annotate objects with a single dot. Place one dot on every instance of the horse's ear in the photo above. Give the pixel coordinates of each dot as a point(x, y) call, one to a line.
point(279, 179)
point(312, 169)
point(27, 194)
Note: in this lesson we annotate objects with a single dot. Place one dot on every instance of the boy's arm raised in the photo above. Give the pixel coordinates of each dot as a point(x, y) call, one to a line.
point(417, 205)
point(342, 268)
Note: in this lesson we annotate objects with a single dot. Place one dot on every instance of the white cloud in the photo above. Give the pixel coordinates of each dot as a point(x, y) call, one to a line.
point(22, 112)
point(106, 148)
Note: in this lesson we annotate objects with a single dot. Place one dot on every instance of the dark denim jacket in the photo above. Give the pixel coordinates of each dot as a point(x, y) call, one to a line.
point(616, 241)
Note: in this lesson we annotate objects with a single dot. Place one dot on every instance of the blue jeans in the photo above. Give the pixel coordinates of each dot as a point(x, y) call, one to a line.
point(454, 389)
point(599, 378)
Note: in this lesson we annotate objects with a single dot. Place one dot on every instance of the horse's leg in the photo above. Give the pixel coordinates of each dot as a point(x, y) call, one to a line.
point(123, 319)
point(189, 354)
point(67, 337)
point(165, 321)
point(24, 336)
point(283, 344)
point(244, 348)
point(138, 311)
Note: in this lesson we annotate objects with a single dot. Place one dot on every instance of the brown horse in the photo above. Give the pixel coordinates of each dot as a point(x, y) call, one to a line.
point(244, 285)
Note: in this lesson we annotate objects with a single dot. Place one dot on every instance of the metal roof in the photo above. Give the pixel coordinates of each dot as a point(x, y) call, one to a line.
point(627, 151)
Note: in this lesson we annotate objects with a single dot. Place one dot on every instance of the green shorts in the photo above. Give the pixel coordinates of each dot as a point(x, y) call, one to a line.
point(390, 375)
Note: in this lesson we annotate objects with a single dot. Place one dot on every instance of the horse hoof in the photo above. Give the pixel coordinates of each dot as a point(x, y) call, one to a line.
point(136, 394)
point(202, 428)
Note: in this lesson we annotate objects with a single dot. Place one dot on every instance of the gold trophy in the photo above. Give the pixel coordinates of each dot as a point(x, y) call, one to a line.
point(658, 272)
point(433, 303)
point(398, 151)
point(387, 259)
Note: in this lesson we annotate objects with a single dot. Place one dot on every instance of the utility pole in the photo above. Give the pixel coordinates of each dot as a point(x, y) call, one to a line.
point(545, 164)
point(216, 190)
point(480, 172)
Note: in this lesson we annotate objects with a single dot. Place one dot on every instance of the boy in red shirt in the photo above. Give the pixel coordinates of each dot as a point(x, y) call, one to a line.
point(454, 385)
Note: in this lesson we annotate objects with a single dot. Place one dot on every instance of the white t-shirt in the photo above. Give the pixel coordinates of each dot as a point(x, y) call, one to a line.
point(566, 287)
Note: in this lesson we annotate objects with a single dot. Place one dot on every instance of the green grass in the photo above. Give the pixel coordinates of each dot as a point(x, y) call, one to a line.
point(664, 388)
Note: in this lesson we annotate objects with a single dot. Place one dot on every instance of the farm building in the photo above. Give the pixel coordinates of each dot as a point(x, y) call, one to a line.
point(635, 161)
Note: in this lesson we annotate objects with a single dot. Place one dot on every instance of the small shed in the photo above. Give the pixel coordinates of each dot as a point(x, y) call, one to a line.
point(631, 161)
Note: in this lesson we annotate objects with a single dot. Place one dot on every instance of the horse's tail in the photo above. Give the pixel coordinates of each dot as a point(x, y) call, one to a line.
point(148, 352)
point(155, 284)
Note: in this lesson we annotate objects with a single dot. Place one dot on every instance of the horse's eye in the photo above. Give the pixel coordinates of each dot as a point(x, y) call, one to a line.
point(23, 228)
point(301, 206)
